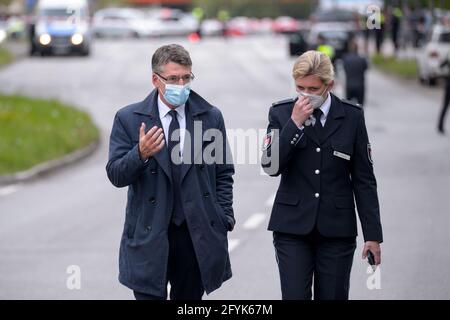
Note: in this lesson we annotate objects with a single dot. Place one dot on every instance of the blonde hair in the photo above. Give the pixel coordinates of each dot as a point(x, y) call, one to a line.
point(314, 63)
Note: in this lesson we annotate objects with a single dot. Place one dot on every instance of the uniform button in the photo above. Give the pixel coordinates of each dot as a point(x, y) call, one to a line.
point(292, 142)
point(317, 171)
point(152, 200)
point(294, 139)
point(318, 150)
point(296, 135)
point(317, 195)
point(148, 228)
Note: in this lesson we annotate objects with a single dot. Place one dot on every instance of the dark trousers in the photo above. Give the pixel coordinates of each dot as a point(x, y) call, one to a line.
point(444, 106)
point(356, 94)
point(302, 258)
point(183, 272)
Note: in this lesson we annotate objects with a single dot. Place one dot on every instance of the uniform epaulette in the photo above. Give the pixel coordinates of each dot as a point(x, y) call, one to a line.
point(352, 103)
point(279, 103)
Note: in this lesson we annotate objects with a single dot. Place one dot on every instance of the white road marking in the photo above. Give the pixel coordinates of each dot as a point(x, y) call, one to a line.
point(254, 221)
point(270, 200)
point(8, 190)
point(232, 244)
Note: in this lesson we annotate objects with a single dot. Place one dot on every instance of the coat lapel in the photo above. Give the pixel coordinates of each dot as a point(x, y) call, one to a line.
point(334, 119)
point(195, 106)
point(149, 108)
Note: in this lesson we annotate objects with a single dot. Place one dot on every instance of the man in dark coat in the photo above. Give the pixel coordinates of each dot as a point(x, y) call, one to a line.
point(320, 147)
point(179, 180)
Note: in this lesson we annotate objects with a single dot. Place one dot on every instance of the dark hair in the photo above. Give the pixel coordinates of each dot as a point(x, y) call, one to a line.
point(170, 53)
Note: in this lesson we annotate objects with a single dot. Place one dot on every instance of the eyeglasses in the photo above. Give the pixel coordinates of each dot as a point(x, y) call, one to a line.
point(176, 79)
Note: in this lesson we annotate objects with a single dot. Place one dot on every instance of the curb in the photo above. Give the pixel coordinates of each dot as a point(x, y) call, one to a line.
point(50, 166)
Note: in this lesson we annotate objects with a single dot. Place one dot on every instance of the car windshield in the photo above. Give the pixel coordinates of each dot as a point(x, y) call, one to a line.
point(60, 12)
point(334, 16)
point(445, 37)
point(334, 35)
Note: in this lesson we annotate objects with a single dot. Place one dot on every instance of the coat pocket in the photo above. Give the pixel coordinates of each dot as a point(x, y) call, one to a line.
point(344, 202)
point(291, 199)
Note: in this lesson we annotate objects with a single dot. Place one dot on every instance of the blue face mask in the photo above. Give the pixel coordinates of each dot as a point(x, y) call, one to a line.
point(177, 95)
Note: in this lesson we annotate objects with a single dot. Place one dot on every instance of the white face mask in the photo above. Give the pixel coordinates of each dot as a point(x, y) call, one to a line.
point(315, 100)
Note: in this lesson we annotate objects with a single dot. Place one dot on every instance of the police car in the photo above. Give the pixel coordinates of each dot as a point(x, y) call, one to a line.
point(61, 26)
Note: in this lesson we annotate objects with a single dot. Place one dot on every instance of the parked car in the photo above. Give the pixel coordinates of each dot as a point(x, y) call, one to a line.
point(172, 22)
point(285, 24)
point(341, 16)
point(298, 43)
point(121, 23)
point(61, 26)
point(432, 55)
point(338, 35)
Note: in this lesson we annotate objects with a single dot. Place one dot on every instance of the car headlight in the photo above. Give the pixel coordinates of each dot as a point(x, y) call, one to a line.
point(77, 39)
point(45, 39)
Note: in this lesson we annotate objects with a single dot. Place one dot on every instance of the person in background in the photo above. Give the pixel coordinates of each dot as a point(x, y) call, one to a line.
point(441, 119)
point(355, 67)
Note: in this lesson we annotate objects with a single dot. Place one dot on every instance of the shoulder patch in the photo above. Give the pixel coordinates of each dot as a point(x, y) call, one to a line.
point(352, 104)
point(285, 101)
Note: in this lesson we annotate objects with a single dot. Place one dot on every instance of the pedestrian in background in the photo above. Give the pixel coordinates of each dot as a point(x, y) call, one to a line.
point(442, 114)
point(355, 67)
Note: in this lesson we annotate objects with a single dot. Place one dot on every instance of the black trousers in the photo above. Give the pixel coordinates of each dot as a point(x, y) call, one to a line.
point(183, 272)
point(302, 258)
point(444, 105)
point(356, 94)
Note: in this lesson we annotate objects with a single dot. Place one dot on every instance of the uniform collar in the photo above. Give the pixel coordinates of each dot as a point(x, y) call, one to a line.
point(325, 107)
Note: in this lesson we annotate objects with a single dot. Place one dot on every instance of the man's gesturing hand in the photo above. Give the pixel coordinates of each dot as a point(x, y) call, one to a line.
point(150, 143)
point(302, 110)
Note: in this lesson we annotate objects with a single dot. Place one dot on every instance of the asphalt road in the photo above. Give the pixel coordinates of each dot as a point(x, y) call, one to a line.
point(75, 216)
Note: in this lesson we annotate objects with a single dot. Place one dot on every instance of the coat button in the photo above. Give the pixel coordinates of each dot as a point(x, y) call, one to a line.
point(152, 200)
point(153, 171)
point(317, 171)
point(148, 228)
point(318, 150)
point(206, 195)
point(317, 195)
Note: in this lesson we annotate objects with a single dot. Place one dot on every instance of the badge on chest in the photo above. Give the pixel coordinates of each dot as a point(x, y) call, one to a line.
point(341, 155)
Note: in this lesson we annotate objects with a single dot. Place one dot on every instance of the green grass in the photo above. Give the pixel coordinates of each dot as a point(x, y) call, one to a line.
point(5, 56)
point(35, 130)
point(404, 68)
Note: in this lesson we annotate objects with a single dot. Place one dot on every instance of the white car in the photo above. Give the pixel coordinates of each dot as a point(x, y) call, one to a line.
point(172, 22)
point(433, 54)
point(122, 22)
point(3, 34)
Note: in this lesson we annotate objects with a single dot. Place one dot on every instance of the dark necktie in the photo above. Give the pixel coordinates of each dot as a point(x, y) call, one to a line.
point(318, 125)
point(175, 160)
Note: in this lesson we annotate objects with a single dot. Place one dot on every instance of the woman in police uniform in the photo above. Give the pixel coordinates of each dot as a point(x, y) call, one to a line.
point(319, 145)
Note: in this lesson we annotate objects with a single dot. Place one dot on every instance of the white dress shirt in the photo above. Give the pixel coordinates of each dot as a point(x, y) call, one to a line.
point(325, 108)
point(166, 118)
